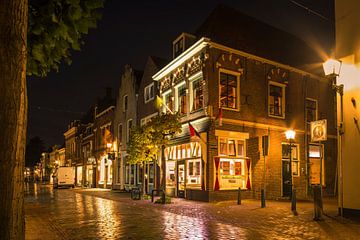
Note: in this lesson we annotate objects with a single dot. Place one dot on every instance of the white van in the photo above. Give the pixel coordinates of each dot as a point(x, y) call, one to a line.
point(64, 177)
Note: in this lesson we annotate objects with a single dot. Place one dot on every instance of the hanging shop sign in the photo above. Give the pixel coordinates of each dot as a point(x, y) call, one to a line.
point(318, 130)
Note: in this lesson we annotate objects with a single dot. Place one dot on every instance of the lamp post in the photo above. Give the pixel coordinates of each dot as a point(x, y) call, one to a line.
point(290, 135)
point(332, 69)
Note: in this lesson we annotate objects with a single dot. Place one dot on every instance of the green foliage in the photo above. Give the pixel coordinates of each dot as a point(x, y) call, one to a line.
point(146, 141)
point(167, 200)
point(55, 28)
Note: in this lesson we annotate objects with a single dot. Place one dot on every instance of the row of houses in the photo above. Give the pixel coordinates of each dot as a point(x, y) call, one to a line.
point(235, 80)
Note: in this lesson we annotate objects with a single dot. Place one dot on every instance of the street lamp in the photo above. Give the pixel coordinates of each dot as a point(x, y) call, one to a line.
point(332, 69)
point(290, 135)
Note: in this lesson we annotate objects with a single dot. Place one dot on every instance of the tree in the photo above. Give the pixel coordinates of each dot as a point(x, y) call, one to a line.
point(54, 28)
point(148, 140)
point(34, 149)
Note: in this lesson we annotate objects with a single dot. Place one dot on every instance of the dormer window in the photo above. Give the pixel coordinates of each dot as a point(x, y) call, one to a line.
point(181, 43)
point(178, 47)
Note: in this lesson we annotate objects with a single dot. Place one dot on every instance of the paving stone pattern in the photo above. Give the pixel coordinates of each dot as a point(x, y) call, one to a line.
point(103, 214)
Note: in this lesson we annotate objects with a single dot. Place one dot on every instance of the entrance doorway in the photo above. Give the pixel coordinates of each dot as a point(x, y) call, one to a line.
point(181, 180)
point(286, 179)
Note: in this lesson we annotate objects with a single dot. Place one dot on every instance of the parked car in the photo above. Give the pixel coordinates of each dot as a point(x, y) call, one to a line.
point(64, 177)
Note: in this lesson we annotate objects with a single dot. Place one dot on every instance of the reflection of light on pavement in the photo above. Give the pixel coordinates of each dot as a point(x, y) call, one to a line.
point(183, 227)
point(108, 222)
point(79, 199)
point(35, 190)
point(229, 231)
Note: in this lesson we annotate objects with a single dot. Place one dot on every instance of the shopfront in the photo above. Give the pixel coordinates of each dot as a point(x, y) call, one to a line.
point(105, 170)
point(79, 174)
point(232, 167)
point(184, 168)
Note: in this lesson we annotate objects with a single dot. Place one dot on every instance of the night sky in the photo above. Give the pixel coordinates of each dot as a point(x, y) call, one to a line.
point(132, 30)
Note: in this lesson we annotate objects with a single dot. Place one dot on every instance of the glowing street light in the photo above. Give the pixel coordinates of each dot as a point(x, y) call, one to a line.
point(332, 67)
point(290, 135)
point(332, 70)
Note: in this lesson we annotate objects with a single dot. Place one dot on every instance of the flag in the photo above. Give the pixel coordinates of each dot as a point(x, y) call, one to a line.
point(219, 116)
point(193, 132)
point(158, 102)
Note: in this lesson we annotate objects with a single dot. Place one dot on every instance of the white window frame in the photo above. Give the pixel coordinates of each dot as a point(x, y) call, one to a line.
point(147, 92)
point(177, 96)
point(192, 79)
point(147, 119)
point(283, 100)
point(237, 74)
point(236, 147)
point(168, 92)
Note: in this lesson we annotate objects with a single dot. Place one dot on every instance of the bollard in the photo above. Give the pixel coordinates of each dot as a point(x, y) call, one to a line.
point(293, 200)
point(239, 197)
point(318, 206)
point(262, 198)
point(163, 200)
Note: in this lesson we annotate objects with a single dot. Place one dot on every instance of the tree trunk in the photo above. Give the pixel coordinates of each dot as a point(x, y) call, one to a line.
point(13, 116)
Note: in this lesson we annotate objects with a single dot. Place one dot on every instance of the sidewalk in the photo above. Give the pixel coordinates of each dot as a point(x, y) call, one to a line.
point(275, 221)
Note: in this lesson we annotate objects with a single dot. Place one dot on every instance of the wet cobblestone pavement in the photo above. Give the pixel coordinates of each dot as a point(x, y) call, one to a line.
point(102, 214)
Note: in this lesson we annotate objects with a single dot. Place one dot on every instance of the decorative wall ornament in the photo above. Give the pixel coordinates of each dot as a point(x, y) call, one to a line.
point(231, 61)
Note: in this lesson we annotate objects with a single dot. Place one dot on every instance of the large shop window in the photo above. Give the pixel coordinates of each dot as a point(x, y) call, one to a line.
point(190, 153)
point(194, 171)
point(316, 163)
point(196, 94)
point(276, 100)
point(229, 90)
point(181, 99)
point(170, 173)
point(232, 173)
point(232, 163)
point(295, 157)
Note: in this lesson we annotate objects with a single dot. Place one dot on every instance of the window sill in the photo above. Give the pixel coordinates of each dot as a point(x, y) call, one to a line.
point(278, 117)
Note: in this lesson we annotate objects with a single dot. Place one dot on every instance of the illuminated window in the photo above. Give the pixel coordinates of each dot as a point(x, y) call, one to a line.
point(181, 99)
point(223, 146)
point(311, 110)
point(229, 84)
point(168, 101)
point(231, 147)
point(196, 95)
point(240, 148)
point(276, 100)
point(149, 92)
point(232, 173)
point(194, 171)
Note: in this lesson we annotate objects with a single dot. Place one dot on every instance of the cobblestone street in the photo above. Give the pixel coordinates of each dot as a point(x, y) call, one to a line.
point(102, 214)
